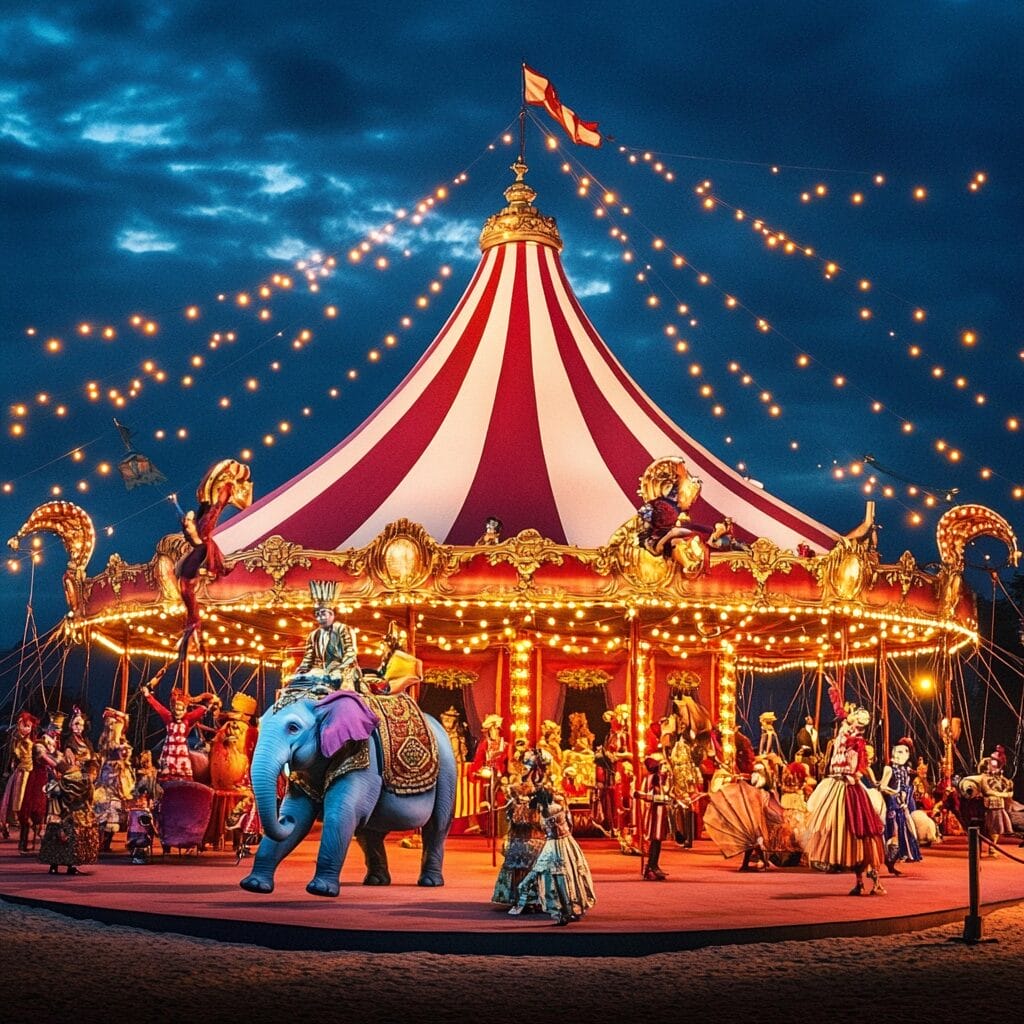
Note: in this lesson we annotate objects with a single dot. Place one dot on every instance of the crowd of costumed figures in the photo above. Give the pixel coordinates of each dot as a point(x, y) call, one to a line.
point(66, 800)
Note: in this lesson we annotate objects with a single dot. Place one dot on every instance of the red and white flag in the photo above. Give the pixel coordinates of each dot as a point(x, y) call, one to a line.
point(539, 92)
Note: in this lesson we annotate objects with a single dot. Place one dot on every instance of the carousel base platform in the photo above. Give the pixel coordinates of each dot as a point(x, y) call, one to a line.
point(704, 902)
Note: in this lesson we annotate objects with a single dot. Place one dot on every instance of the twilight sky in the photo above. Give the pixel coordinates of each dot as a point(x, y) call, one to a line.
point(157, 155)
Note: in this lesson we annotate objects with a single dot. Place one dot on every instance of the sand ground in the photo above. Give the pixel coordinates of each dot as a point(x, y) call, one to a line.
point(57, 969)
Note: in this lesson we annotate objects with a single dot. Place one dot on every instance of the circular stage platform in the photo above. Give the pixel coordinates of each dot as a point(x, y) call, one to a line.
point(704, 902)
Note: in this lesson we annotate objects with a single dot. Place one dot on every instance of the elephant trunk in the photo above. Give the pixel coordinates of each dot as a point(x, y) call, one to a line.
point(266, 770)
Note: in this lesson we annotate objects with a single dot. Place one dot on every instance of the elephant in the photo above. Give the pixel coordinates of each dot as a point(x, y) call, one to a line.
point(304, 733)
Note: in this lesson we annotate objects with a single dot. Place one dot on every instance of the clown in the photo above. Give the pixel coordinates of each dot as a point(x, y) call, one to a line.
point(843, 830)
point(175, 762)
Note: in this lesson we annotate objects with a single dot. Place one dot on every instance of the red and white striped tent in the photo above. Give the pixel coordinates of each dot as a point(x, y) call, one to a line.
point(519, 410)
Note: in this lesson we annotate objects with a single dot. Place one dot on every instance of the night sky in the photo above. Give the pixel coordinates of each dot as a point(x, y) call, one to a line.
point(155, 156)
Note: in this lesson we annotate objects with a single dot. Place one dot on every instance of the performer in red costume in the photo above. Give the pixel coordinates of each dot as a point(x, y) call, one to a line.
point(843, 829)
point(174, 760)
point(227, 483)
point(490, 766)
point(655, 818)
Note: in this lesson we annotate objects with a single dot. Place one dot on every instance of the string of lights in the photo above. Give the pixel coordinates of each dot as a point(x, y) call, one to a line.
point(839, 379)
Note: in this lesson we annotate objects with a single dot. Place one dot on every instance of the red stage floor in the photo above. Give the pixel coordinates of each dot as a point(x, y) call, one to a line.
point(705, 901)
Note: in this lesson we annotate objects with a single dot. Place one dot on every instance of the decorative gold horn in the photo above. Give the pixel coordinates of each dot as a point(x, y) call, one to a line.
point(77, 533)
point(960, 525)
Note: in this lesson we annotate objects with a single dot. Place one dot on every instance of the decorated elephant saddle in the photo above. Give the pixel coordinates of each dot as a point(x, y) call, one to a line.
point(408, 747)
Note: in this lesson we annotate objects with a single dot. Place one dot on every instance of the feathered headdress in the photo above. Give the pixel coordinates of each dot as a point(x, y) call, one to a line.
point(322, 592)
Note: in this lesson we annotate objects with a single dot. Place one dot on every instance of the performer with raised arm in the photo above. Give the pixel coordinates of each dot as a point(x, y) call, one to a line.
point(843, 831)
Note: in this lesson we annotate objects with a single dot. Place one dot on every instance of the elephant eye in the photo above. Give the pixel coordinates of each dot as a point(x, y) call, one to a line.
point(293, 726)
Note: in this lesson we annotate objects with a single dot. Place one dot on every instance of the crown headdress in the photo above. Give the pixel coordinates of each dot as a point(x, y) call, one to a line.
point(322, 592)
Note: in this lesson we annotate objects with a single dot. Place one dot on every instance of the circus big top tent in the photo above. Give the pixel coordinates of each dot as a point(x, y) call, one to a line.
point(518, 410)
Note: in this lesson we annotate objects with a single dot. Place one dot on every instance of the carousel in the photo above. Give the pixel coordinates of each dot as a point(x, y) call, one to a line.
point(553, 549)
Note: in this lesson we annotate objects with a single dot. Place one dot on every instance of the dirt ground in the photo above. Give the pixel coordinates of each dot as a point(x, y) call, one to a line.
point(57, 969)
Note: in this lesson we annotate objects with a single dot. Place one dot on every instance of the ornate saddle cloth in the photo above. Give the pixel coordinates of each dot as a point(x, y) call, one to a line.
point(407, 744)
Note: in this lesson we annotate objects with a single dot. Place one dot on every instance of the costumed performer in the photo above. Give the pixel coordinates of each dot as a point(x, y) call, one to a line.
point(70, 837)
point(20, 768)
point(656, 801)
point(561, 875)
point(45, 761)
point(226, 483)
point(115, 785)
point(331, 648)
point(843, 830)
point(525, 837)
point(996, 791)
point(897, 786)
point(490, 767)
point(175, 762)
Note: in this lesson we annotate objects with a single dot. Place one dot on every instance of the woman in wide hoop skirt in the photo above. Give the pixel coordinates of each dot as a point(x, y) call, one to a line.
point(560, 874)
point(844, 832)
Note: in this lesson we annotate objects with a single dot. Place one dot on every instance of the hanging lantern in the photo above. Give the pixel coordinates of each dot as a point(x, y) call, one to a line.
point(135, 468)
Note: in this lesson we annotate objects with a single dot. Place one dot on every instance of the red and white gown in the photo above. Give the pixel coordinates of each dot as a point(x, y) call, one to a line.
point(843, 829)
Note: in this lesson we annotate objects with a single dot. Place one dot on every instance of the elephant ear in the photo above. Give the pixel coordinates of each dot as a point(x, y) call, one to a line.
point(343, 716)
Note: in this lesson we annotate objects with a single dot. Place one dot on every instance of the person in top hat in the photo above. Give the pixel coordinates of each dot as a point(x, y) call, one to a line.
point(331, 648)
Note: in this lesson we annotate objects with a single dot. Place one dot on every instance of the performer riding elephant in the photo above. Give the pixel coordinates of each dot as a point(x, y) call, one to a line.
point(337, 750)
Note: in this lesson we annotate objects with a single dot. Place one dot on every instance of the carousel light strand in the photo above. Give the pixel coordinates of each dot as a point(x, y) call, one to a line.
point(254, 301)
point(519, 690)
point(839, 379)
point(782, 242)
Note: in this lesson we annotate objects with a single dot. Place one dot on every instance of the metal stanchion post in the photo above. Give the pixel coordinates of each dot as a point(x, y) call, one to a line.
point(973, 922)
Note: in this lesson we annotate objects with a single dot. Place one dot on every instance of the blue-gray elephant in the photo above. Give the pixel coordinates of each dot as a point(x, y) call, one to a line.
point(305, 734)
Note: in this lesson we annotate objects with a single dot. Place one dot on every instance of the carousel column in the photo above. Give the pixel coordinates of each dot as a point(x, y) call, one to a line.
point(726, 666)
point(124, 667)
point(883, 696)
point(949, 727)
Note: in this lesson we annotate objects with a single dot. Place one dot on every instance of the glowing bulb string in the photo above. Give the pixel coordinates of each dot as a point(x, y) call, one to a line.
point(832, 270)
point(773, 166)
point(149, 325)
point(707, 390)
point(953, 453)
point(433, 288)
point(918, 192)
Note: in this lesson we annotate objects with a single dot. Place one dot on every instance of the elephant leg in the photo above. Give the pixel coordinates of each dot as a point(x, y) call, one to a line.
point(372, 844)
point(434, 832)
point(348, 802)
point(302, 810)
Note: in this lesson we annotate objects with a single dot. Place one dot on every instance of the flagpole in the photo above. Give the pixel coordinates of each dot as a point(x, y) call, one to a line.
point(522, 114)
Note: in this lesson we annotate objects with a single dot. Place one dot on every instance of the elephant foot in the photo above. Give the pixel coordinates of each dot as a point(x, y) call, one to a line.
point(323, 887)
point(255, 883)
point(433, 879)
point(377, 878)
